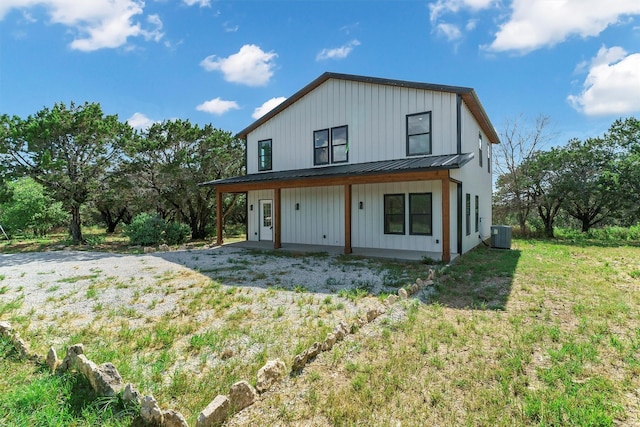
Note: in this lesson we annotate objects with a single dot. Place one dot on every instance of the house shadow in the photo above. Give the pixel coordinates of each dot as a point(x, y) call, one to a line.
point(482, 279)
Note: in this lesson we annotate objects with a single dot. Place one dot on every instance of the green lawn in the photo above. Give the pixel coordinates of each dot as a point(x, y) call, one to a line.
point(546, 334)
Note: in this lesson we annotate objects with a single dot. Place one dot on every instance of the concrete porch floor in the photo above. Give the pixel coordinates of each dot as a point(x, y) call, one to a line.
point(395, 254)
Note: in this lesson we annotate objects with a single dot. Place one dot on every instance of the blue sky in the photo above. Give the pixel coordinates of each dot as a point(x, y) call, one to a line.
point(226, 62)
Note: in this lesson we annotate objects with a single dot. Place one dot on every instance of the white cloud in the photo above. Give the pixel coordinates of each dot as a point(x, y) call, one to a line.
point(250, 66)
point(201, 3)
point(338, 52)
point(612, 86)
point(450, 31)
point(140, 121)
point(534, 24)
point(97, 24)
point(267, 106)
point(440, 7)
point(217, 106)
point(228, 28)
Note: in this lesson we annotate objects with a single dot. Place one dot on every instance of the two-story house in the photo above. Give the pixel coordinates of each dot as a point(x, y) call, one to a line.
point(363, 162)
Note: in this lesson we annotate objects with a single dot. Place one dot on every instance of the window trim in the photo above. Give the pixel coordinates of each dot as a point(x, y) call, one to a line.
point(430, 150)
point(429, 215)
point(260, 157)
point(385, 214)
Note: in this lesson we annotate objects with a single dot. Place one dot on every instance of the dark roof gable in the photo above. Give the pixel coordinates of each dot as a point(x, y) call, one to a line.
point(468, 95)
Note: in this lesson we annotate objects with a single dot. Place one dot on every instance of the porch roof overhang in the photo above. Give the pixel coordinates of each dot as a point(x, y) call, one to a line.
point(409, 169)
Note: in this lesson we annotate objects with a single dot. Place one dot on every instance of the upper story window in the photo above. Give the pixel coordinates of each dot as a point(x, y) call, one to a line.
point(488, 157)
point(480, 148)
point(330, 146)
point(419, 134)
point(264, 155)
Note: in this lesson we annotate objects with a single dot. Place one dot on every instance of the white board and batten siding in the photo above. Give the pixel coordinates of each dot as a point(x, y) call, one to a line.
point(476, 181)
point(375, 116)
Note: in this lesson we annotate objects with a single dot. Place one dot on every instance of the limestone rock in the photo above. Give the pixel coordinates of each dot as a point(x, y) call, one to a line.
point(329, 342)
point(69, 361)
point(104, 379)
point(374, 313)
point(149, 250)
point(241, 395)
point(215, 413)
point(164, 248)
point(271, 372)
point(341, 330)
point(5, 329)
point(431, 274)
point(428, 283)
point(300, 360)
point(419, 282)
point(314, 350)
point(150, 411)
point(402, 293)
point(391, 299)
point(52, 359)
point(172, 418)
point(130, 394)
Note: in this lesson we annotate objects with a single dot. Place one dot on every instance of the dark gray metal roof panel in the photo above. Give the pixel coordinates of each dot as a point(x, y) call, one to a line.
point(449, 161)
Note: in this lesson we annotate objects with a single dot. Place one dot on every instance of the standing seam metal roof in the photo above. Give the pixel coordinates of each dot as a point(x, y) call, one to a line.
point(412, 164)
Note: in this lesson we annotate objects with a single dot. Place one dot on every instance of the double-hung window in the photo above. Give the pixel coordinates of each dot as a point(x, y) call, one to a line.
point(468, 213)
point(419, 134)
point(264, 155)
point(330, 146)
point(394, 214)
point(420, 218)
point(488, 157)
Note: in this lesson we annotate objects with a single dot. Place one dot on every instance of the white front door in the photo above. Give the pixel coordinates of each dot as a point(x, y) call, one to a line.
point(266, 220)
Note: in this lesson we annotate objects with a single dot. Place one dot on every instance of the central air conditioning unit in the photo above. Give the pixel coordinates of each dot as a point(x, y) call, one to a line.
point(501, 236)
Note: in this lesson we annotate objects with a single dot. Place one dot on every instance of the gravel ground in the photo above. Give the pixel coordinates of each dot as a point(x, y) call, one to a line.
point(74, 287)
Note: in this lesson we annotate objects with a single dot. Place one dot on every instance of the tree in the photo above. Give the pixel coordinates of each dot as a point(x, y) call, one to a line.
point(625, 136)
point(544, 172)
point(26, 208)
point(590, 181)
point(518, 142)
point(173, 157)
point(66, 149)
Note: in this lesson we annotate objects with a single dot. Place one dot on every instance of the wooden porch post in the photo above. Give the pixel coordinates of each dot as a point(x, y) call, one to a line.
point(277, 243)
point(218, 217)
point(347, 219)
point(446, 220)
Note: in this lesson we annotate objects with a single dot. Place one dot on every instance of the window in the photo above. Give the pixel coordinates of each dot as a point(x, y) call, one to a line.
point(321, 147)
point(420, 214)
point(488, 157)
point(477, 213)
point(338, 145)
point(468, 213)
point(419, 134)
point(480, 148)
point(264, 155)
point(394, 214)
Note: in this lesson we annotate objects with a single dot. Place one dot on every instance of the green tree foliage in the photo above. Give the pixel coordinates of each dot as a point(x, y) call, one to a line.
point(27, 209)
point(67, 149)
point(589, 181)
point(625, 135)
point(173, 157)
point(147, 229)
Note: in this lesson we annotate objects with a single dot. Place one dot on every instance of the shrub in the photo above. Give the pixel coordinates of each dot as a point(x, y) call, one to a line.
point(176, 233)
point(145, 230)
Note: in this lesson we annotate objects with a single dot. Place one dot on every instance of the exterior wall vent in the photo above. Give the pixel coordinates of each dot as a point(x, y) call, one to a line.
point(501, 236)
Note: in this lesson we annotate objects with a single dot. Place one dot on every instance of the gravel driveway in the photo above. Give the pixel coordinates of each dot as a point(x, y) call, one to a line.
point(75, 285)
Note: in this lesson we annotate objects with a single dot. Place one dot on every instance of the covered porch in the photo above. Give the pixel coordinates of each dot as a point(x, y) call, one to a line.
point(435, 168)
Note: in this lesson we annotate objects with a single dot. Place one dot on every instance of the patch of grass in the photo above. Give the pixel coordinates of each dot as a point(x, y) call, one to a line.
point(75, 279)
